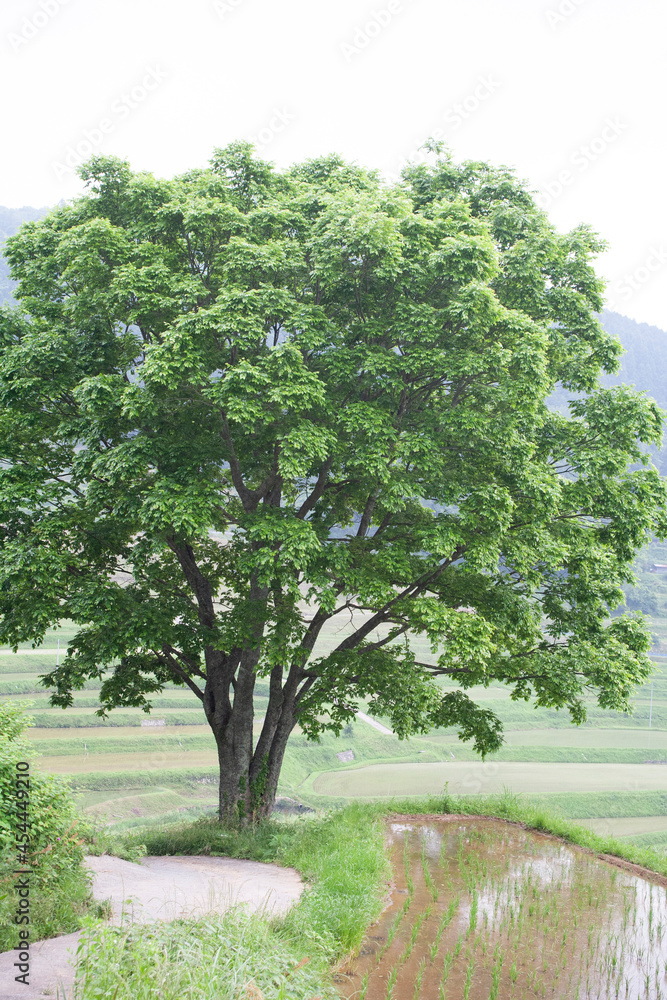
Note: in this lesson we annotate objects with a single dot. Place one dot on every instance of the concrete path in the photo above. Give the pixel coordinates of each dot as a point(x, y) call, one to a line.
point(374, 724)
point(157, 889)
point(172, 887)
point(51, 967)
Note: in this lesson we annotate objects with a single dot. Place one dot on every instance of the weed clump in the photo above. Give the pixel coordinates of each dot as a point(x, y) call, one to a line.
point(42, 833)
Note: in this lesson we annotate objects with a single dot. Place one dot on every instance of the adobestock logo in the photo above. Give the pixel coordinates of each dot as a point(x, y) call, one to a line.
point(624, 288)
point(455, 116)
point(458, 113)
point(278, 122)
point(581, 158)
point(565, 9)
point(364, 33)
point(121, 109)
point(222, 7)
point(35, 22)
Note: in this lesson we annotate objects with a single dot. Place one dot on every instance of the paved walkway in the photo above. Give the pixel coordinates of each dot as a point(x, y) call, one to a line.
point(373, 723)
point(157, 889)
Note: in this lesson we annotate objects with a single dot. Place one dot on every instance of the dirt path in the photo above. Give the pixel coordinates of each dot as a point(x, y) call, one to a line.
point(157, 889)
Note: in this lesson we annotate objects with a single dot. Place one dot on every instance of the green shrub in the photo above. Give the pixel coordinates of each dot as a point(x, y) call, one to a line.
point(58, 883)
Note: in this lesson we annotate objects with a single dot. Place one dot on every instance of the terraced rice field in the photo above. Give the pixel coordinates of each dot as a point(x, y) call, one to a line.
point(477, 778)
point(543, 753)
point(155, 760)
point(484, 910)
point(627, 826)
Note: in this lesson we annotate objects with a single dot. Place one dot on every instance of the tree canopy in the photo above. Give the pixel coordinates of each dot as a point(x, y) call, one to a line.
point(245, 403)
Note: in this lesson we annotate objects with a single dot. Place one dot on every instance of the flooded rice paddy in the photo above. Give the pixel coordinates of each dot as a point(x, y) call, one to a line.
point(485, 910)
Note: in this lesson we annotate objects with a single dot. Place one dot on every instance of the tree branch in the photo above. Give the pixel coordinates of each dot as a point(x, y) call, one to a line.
point(318, 489)
point(368, 513)
point(413, 589)
point(249, 498)
point(198, 582)
point(169, 661)
point(383, 642)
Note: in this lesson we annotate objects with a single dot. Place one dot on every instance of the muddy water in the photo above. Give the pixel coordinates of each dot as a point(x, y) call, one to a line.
point(484, 910)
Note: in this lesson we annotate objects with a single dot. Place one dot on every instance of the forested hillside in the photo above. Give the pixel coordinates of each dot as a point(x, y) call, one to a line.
point(644, 364)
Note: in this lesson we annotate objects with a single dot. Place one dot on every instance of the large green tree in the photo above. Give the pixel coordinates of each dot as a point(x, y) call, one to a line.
point(243, 404)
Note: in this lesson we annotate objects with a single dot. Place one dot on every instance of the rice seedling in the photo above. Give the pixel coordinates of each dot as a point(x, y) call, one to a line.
point(418, 979)
point(428, 878)
point(449, 958)
point(470, 970)
point(391, 982)
point(393, 928)
point(495, 976)
point(558, 923)
point(444, 922)
point(473, 913)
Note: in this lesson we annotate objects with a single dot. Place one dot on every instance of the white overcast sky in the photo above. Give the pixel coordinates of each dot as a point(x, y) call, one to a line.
point(571, 93)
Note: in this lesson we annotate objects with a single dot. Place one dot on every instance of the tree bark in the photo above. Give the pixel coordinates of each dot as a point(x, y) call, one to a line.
point(249, 779)
point(279, 722)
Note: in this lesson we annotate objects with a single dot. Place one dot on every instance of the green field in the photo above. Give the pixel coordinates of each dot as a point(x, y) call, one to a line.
point(131, 773)
point(628, 826)
point(115, 806)
point(117, 733)
point(477, 778)
point(154, 759)
point(587, 737)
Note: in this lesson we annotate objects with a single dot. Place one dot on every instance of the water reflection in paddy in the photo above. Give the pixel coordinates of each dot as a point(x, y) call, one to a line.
point(484, 910)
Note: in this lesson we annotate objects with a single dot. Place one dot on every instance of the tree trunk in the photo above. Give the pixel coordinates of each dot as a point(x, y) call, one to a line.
point(265, 772)
point(249, 780)
point(232, 728)
point(248, 784)
point(248, 774)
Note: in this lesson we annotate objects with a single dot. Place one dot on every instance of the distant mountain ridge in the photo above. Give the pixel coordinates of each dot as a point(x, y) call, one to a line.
point(644, 364)
point(12, 219)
